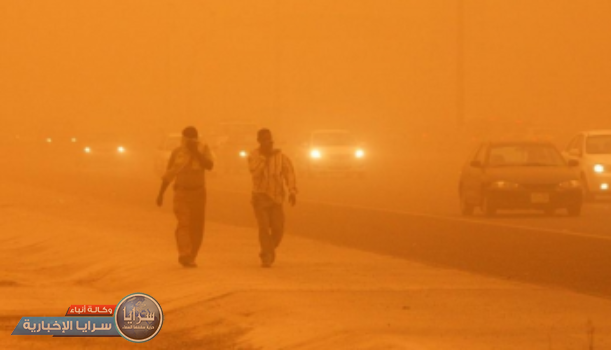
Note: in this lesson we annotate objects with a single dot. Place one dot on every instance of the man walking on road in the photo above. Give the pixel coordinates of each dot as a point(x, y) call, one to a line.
point(270, 170)
point(186, 168)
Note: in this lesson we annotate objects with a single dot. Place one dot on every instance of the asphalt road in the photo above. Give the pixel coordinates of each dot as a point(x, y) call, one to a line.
point(406, 207)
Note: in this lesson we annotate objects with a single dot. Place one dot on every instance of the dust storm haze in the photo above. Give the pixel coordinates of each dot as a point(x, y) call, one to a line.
point(381, 250)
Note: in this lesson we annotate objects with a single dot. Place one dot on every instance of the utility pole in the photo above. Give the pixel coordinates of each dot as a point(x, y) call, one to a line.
point(277, 42)
point(460, 64)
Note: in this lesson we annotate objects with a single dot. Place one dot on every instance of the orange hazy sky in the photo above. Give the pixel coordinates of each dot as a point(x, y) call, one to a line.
point(316, 63)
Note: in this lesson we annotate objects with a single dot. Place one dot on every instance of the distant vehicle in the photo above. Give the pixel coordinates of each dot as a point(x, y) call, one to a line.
point(232, 143)
point(103, 149)
point(519, 175)
point(593, 151)
point(57, 141)
point(332, 151)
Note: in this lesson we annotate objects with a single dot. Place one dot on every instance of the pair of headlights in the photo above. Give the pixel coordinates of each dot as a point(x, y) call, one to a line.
point(50, 140)
point(359, 153)
point(120, 149)
point(506, 185)
point(316, 154)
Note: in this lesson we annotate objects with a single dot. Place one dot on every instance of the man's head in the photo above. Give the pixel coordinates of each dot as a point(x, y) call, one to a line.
point(190, 132)
point(190, 135)
point(264, 137)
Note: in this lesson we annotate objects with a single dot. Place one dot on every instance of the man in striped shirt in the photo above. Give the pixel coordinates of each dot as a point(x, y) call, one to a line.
point(271, 171)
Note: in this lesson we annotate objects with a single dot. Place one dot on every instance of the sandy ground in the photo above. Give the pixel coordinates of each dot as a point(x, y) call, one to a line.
point(58, 249)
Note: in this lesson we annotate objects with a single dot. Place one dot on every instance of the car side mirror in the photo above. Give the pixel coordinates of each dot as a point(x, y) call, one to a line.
point(476, 164)
point(573, 163)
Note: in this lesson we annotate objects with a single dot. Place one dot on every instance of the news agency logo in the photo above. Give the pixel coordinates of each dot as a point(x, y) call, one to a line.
point(138, 317)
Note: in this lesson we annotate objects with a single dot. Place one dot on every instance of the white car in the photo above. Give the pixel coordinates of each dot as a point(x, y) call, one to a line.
point(593, 151)
point(333, 151)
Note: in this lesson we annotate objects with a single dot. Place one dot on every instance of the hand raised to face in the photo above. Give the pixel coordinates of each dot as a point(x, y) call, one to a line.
point(193, 145)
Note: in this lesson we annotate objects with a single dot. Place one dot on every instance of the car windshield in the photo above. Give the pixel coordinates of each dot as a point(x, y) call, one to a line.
point(332, 139)
point(241, 130)
point(238, 133)
point(524, 155)
point(241, 137)
point(599, 144)
point(102, 138)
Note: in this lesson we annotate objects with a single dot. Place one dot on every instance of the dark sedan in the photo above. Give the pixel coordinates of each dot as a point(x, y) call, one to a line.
point(519, 175)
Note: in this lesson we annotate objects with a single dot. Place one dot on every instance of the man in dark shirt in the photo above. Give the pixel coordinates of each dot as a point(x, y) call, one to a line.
point(186, 167)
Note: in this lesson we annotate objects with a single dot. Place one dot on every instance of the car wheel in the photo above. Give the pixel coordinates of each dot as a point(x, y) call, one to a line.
point(487, 208)
point(466, 208)
point(574, 210)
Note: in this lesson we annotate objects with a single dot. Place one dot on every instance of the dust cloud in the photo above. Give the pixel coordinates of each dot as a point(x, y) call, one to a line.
point(418, 84)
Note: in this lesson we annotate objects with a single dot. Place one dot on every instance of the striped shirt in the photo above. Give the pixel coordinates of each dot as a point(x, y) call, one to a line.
point(270, 174)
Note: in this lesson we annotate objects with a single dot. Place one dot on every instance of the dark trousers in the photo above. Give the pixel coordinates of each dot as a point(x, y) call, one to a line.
point(270, 219)
point(189, 209)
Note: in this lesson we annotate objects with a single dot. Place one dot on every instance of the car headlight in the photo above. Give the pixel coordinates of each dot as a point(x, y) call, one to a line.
point(87, 150)
point(566, 185)
point(359, 153)
point(243, 154)
point(504, 185)
point(120, 149)
point(315, 153)
point(599, 168)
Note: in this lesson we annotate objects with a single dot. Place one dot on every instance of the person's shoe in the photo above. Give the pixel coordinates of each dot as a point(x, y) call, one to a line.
point(190, 264)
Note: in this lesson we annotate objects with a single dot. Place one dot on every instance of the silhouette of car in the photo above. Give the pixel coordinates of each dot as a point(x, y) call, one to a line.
point(104, 149)
point(332, 151)
point(519, 175)
point(593, 151)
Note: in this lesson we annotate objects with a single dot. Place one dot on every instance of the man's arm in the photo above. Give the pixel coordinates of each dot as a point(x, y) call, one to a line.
point(205, 157)
point(288, 173)
point(166, 179)
point(162, 189)
point(256, 163)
